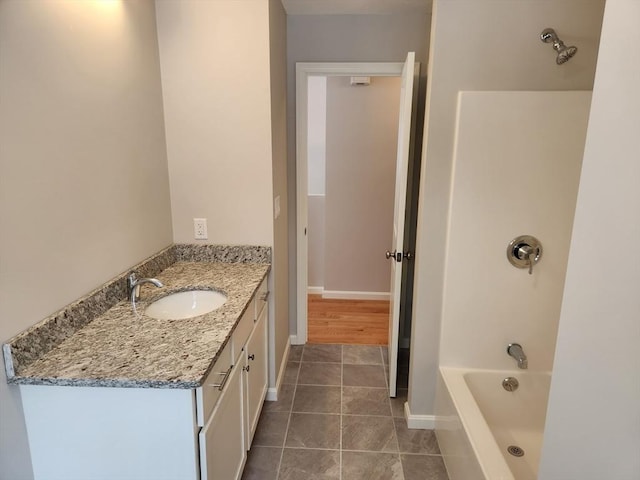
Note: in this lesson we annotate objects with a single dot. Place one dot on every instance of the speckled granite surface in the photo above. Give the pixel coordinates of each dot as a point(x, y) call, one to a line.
point(99, 340)
point(222, 253)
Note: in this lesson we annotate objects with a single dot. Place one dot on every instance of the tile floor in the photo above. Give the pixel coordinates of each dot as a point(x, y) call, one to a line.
point(334, 420)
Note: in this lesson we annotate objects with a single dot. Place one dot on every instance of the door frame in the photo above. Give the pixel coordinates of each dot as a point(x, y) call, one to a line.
point(303, 72)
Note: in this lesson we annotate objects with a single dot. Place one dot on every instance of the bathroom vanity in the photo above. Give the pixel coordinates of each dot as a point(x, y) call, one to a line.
point(127, 396)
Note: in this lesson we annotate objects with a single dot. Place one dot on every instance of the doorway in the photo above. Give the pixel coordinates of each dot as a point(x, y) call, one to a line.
point(408, 73)
point(304, 74)
point(352, 147)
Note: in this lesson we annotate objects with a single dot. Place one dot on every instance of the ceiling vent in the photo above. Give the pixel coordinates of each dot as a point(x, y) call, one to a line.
point(360, 81)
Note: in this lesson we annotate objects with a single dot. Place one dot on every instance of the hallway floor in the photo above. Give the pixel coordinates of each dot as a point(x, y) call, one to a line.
point(335, 421)
point(362, 322)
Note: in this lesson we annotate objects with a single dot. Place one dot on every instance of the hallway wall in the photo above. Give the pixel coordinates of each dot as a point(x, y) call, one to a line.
point(362, 137)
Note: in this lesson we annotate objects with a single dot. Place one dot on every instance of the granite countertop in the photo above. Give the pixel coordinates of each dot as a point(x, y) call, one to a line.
point(121, 349)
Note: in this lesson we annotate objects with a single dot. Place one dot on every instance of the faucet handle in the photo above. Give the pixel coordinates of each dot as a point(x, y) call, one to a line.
point(524, 251)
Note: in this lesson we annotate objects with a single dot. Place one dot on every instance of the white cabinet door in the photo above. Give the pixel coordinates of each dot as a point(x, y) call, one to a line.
point(256, 374)
point(222, 440)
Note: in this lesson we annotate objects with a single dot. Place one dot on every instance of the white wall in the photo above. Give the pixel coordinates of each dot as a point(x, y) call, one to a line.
point(316, 242)
point(84, 192)
point(516, 171)
point(316, 134)
point(344, 38)
point(593, 418)
point(316, 171)
point(362, 138)
point(500, 50)
point(216, 87)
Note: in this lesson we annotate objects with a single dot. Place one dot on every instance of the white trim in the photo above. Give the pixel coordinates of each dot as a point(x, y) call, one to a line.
point(303, 71)
point(272, 392)
point(422, 422)
point(315, 290)
point(342, 294)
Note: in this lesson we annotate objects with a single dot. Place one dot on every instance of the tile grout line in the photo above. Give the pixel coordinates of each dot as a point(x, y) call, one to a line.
point(341, 395)
point(395, 430)
point(286, 432)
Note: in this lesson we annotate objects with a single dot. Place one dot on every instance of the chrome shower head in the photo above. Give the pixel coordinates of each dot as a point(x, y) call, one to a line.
point(548, 35)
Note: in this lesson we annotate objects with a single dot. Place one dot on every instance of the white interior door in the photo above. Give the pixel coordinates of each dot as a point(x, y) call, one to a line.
point(396, 255)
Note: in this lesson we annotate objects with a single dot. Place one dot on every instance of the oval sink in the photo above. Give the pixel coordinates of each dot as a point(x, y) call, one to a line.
point(189, 304)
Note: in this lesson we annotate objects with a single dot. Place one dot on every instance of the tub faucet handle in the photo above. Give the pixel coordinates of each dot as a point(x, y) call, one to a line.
point(524, 251)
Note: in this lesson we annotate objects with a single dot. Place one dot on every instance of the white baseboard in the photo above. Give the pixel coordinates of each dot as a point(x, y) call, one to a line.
point(422, 422)
point(346, 295)
point(272, 392)
point(294, 340)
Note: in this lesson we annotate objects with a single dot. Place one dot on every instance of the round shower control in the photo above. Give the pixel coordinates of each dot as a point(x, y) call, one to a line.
point(524, 252)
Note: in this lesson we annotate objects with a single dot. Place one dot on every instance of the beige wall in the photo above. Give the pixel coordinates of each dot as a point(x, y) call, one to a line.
point(84, 191)
point(596, 371)
point(344, 38)
point(216, 86)
point(361, 145)
point(224, 79)
point(280, 299)
point(500, 50)
point(516, 171)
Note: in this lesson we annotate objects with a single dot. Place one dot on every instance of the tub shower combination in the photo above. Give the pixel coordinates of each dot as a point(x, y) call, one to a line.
point(491, 422)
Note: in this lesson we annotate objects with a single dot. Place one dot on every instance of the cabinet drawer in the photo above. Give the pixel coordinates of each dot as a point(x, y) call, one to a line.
point(207, 395)
point(262, 297)
point(221, 441)
point(243, 330)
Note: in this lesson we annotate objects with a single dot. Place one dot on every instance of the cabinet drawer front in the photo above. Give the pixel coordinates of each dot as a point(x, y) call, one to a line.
point(222, 448)
point(243, 330)
point(262, 297)
point(207, 395)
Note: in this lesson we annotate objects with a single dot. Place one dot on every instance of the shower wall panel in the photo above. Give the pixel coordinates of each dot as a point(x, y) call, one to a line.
point(516, 171)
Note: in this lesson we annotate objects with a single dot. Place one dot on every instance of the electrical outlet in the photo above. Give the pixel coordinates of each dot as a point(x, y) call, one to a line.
point(200, 228)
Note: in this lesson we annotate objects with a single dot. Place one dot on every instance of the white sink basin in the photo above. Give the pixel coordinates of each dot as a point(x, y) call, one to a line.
point(189, 304)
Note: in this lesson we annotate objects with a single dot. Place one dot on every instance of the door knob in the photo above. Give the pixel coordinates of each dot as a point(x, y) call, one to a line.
point(397, 256)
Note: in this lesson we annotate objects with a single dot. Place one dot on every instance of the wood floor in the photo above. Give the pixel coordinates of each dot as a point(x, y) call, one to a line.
point(353, 322)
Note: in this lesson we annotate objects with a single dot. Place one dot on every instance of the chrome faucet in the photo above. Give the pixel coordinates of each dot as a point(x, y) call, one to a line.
point(515, 350)
point(134, 285)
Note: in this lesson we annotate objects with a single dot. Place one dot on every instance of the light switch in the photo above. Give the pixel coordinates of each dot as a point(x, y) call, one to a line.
point(276, 207)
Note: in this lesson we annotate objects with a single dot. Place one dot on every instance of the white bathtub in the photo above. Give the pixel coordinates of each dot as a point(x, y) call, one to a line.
point(477, 420)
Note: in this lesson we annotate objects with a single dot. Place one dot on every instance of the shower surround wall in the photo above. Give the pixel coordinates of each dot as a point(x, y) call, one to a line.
point(516, 171)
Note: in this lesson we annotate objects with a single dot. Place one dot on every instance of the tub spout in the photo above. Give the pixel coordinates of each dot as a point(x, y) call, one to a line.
point(515, 350)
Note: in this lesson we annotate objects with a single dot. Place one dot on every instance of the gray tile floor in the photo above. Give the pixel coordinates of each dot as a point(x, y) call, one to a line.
point(334, 420)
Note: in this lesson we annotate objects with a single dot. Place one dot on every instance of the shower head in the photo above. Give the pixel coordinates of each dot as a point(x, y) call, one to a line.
point(548, 35)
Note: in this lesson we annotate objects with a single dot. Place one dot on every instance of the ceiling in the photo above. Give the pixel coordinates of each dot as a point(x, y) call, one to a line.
point(355, 7)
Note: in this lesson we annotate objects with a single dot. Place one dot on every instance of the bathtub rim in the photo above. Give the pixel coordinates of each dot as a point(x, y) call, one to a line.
point(476, 429)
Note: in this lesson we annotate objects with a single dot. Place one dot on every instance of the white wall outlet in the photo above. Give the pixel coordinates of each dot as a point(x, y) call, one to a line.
point(200, 228)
